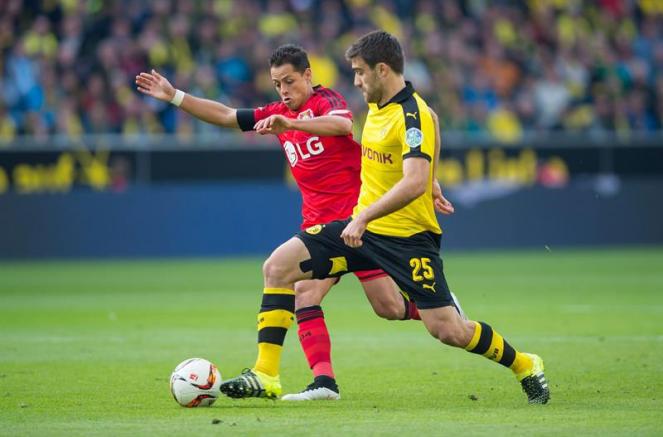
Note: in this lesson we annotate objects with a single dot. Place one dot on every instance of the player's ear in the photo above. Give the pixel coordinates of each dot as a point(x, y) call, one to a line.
point(382, 69)
point(308, 75)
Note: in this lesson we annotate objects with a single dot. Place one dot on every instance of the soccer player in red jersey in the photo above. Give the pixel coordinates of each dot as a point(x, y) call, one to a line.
point(314, 127)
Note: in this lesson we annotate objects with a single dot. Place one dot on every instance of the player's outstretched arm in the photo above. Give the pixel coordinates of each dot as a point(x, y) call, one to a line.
point(442, 205)
point(324, 125)
point(155, 85)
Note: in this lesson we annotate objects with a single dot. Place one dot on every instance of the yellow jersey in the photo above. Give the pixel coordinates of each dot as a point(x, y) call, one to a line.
point(401, 129)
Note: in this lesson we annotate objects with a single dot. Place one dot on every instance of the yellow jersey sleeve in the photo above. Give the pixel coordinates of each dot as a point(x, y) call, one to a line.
point(418, 139)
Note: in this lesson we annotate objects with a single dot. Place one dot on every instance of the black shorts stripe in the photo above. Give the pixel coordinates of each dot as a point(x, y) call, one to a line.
point(508, 356)
point(306, 266)
point(272, 335)
point(246, 119)
point(277, 302)
point(484, 340)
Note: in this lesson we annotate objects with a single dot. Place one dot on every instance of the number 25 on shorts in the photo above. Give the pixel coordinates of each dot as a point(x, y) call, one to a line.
point(421, 269)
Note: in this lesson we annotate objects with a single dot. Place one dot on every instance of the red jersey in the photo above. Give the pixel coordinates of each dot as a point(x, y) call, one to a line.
point(326, 169)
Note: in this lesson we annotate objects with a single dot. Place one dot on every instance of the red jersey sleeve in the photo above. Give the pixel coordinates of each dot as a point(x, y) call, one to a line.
point(267, 110)
point(331, 103)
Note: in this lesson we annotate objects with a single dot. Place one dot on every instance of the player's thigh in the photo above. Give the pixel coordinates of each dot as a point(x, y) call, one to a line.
point(330, 257)
point(385, 296)
point(311, 292)
point(285, 261)
point(414, 264)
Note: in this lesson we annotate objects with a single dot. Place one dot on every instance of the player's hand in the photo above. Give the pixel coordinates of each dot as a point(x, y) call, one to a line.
point(442, 205)
point(274, 124)
point(155, 85)
point(353, 232)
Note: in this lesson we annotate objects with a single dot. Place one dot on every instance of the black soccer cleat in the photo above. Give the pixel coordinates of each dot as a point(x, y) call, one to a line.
point(534, 383)
point(252, 384)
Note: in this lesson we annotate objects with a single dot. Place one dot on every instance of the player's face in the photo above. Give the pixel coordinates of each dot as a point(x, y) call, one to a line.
point(293, 87)
point(367, 80)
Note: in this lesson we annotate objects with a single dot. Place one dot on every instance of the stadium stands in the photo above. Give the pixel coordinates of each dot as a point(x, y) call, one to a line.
point(493, 68)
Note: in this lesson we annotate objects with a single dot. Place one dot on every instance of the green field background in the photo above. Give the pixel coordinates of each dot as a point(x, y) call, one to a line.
point(86, 348)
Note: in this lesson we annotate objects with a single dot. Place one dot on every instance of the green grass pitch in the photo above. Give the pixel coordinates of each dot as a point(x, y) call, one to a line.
point(87, 348)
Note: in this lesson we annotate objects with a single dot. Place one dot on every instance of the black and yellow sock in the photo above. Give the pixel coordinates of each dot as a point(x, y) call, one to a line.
point(275, 317)
point(492, 345)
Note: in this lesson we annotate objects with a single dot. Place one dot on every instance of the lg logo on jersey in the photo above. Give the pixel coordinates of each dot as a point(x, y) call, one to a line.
point(294, 150)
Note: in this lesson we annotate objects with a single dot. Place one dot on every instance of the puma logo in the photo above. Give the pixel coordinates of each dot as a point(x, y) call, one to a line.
point(411, 114)
point(432, 287)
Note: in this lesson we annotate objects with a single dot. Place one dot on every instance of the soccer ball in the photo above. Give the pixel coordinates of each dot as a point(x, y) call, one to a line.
point(195, 383)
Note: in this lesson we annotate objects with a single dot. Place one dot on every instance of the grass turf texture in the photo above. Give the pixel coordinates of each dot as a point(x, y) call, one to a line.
point(87, 348)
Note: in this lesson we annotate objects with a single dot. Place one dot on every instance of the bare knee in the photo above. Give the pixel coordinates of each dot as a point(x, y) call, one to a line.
point(448, 335)
point(282, 269)
point(275, 272)
point(389, 310)
point(450, 332)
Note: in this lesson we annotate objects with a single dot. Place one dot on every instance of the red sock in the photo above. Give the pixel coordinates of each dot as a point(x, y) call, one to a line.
point(315, 341)
point(411, 310)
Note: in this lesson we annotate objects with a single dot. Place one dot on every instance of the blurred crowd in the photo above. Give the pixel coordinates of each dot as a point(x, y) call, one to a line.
point(490, 67)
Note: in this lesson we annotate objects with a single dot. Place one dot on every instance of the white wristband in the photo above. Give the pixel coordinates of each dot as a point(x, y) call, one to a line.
point(177, 98)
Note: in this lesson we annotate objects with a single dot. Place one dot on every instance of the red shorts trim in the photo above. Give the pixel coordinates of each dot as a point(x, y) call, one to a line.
point(369, 275)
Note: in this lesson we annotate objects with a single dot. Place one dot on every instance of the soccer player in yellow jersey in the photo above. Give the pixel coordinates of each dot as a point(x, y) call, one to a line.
point(393, 226)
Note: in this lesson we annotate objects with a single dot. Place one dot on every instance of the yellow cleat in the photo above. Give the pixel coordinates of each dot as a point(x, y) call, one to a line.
point(534, 382)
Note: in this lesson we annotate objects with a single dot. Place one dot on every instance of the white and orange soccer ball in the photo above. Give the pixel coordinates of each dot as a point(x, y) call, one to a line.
point(195, 383)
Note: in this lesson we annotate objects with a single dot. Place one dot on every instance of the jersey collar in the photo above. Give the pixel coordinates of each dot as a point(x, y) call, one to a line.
point(402, 95)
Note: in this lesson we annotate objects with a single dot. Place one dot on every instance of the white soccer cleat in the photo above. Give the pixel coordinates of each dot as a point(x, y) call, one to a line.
point(323, 388)
point(316, 394)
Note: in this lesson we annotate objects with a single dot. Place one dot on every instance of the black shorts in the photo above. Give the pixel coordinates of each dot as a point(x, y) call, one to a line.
point(413, 262)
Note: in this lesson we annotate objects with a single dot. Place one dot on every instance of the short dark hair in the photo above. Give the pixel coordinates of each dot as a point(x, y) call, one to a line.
point(378, 46)
point(290, 54)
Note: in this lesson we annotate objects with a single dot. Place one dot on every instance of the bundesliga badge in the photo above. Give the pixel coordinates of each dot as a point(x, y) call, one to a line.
point(314, 230)
point(414, 137)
